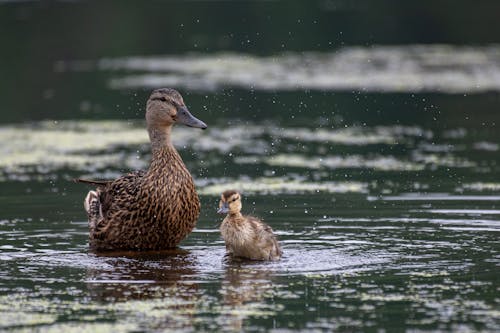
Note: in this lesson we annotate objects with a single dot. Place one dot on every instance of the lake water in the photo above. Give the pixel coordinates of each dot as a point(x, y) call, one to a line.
point(377, 166)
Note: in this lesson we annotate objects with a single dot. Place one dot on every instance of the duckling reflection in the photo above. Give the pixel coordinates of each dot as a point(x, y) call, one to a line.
point(242, 286)
point(130, 275)
point(246, 236)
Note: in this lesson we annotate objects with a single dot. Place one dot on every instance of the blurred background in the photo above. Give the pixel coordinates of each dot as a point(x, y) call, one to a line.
point(60, 58)
point(364, 132)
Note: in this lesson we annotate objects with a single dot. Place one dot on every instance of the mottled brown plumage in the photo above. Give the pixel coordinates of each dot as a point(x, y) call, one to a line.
point(153, 209)
point(246, 236)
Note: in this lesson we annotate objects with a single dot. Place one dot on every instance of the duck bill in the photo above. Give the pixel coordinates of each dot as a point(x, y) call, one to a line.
point(186, 118)
point(224, 209)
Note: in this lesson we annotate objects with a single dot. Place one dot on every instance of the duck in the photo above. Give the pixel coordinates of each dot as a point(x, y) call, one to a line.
point(245, 237)
point(153, 209)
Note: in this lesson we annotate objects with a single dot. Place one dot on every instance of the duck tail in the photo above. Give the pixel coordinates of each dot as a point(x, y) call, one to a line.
point(91, 182)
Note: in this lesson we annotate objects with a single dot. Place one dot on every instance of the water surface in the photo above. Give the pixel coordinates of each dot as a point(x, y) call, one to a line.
point(374, 155)
point(393, 226)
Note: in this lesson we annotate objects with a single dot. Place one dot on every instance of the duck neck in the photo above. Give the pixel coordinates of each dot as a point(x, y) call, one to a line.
point(236, 215)
point(160, 137)
point(164, 153)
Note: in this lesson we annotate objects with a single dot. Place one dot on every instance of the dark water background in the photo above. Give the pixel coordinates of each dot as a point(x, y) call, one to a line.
point(364, 132)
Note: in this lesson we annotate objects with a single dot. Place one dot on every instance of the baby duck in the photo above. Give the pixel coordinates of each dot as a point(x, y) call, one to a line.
point(246, 236)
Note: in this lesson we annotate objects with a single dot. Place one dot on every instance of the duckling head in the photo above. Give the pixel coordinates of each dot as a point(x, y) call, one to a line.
point(166, 107)
point(230, 202)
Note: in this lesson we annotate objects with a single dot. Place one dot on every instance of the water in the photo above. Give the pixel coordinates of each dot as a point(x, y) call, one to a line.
point(384, 226)
point(409, 68)
point(377, 166)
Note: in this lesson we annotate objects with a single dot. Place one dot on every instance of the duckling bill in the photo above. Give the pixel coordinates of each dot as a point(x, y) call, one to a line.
point(246, 236)
point(153, 209)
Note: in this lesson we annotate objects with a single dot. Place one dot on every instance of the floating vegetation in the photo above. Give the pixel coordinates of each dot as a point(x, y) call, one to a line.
point(406, 68)
point(48, 146)
point(446, 160)
point(480, 186)
point(278, 185)
point(105, 149)
point(334, 162)
point(369, 217)
point(377, 166)
point(356, 135)
point(486, 146)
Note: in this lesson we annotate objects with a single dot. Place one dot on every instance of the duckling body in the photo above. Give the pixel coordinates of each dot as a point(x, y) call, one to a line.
point(246, 236)
point(153, 209)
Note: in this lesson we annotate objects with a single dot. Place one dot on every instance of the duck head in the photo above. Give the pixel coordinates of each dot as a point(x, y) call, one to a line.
point(166, 107)
point(230, 202)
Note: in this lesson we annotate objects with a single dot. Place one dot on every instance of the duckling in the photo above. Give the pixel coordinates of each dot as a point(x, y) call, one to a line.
point(153, 209)
point(246, 236)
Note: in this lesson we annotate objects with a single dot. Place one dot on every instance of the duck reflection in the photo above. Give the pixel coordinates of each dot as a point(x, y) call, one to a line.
point(122, 276)
point(243, 287)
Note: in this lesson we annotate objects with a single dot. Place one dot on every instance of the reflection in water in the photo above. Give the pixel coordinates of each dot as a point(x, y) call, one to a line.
point(143, 275)
point(337, 272)
point(244, 291)
point(163, 277)
point(169, 279)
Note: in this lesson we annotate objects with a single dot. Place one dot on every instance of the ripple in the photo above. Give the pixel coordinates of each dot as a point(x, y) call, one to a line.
point(199, 263)
point(314, 261)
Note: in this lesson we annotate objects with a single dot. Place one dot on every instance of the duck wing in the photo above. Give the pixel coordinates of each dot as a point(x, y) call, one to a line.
point(111, 202)
point(121, 193)
point(266, 238)
point(273, 243)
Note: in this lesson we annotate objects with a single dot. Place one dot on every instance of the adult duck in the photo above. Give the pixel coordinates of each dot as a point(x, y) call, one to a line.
point(153, 209)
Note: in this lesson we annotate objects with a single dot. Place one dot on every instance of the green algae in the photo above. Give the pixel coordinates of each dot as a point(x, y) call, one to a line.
point(276, 185)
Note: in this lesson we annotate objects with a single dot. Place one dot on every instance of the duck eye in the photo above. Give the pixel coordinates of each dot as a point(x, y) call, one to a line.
point(163, 99)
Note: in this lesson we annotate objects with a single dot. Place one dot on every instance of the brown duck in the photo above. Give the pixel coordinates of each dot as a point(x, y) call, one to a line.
point(246, 236)
point(153, 209)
